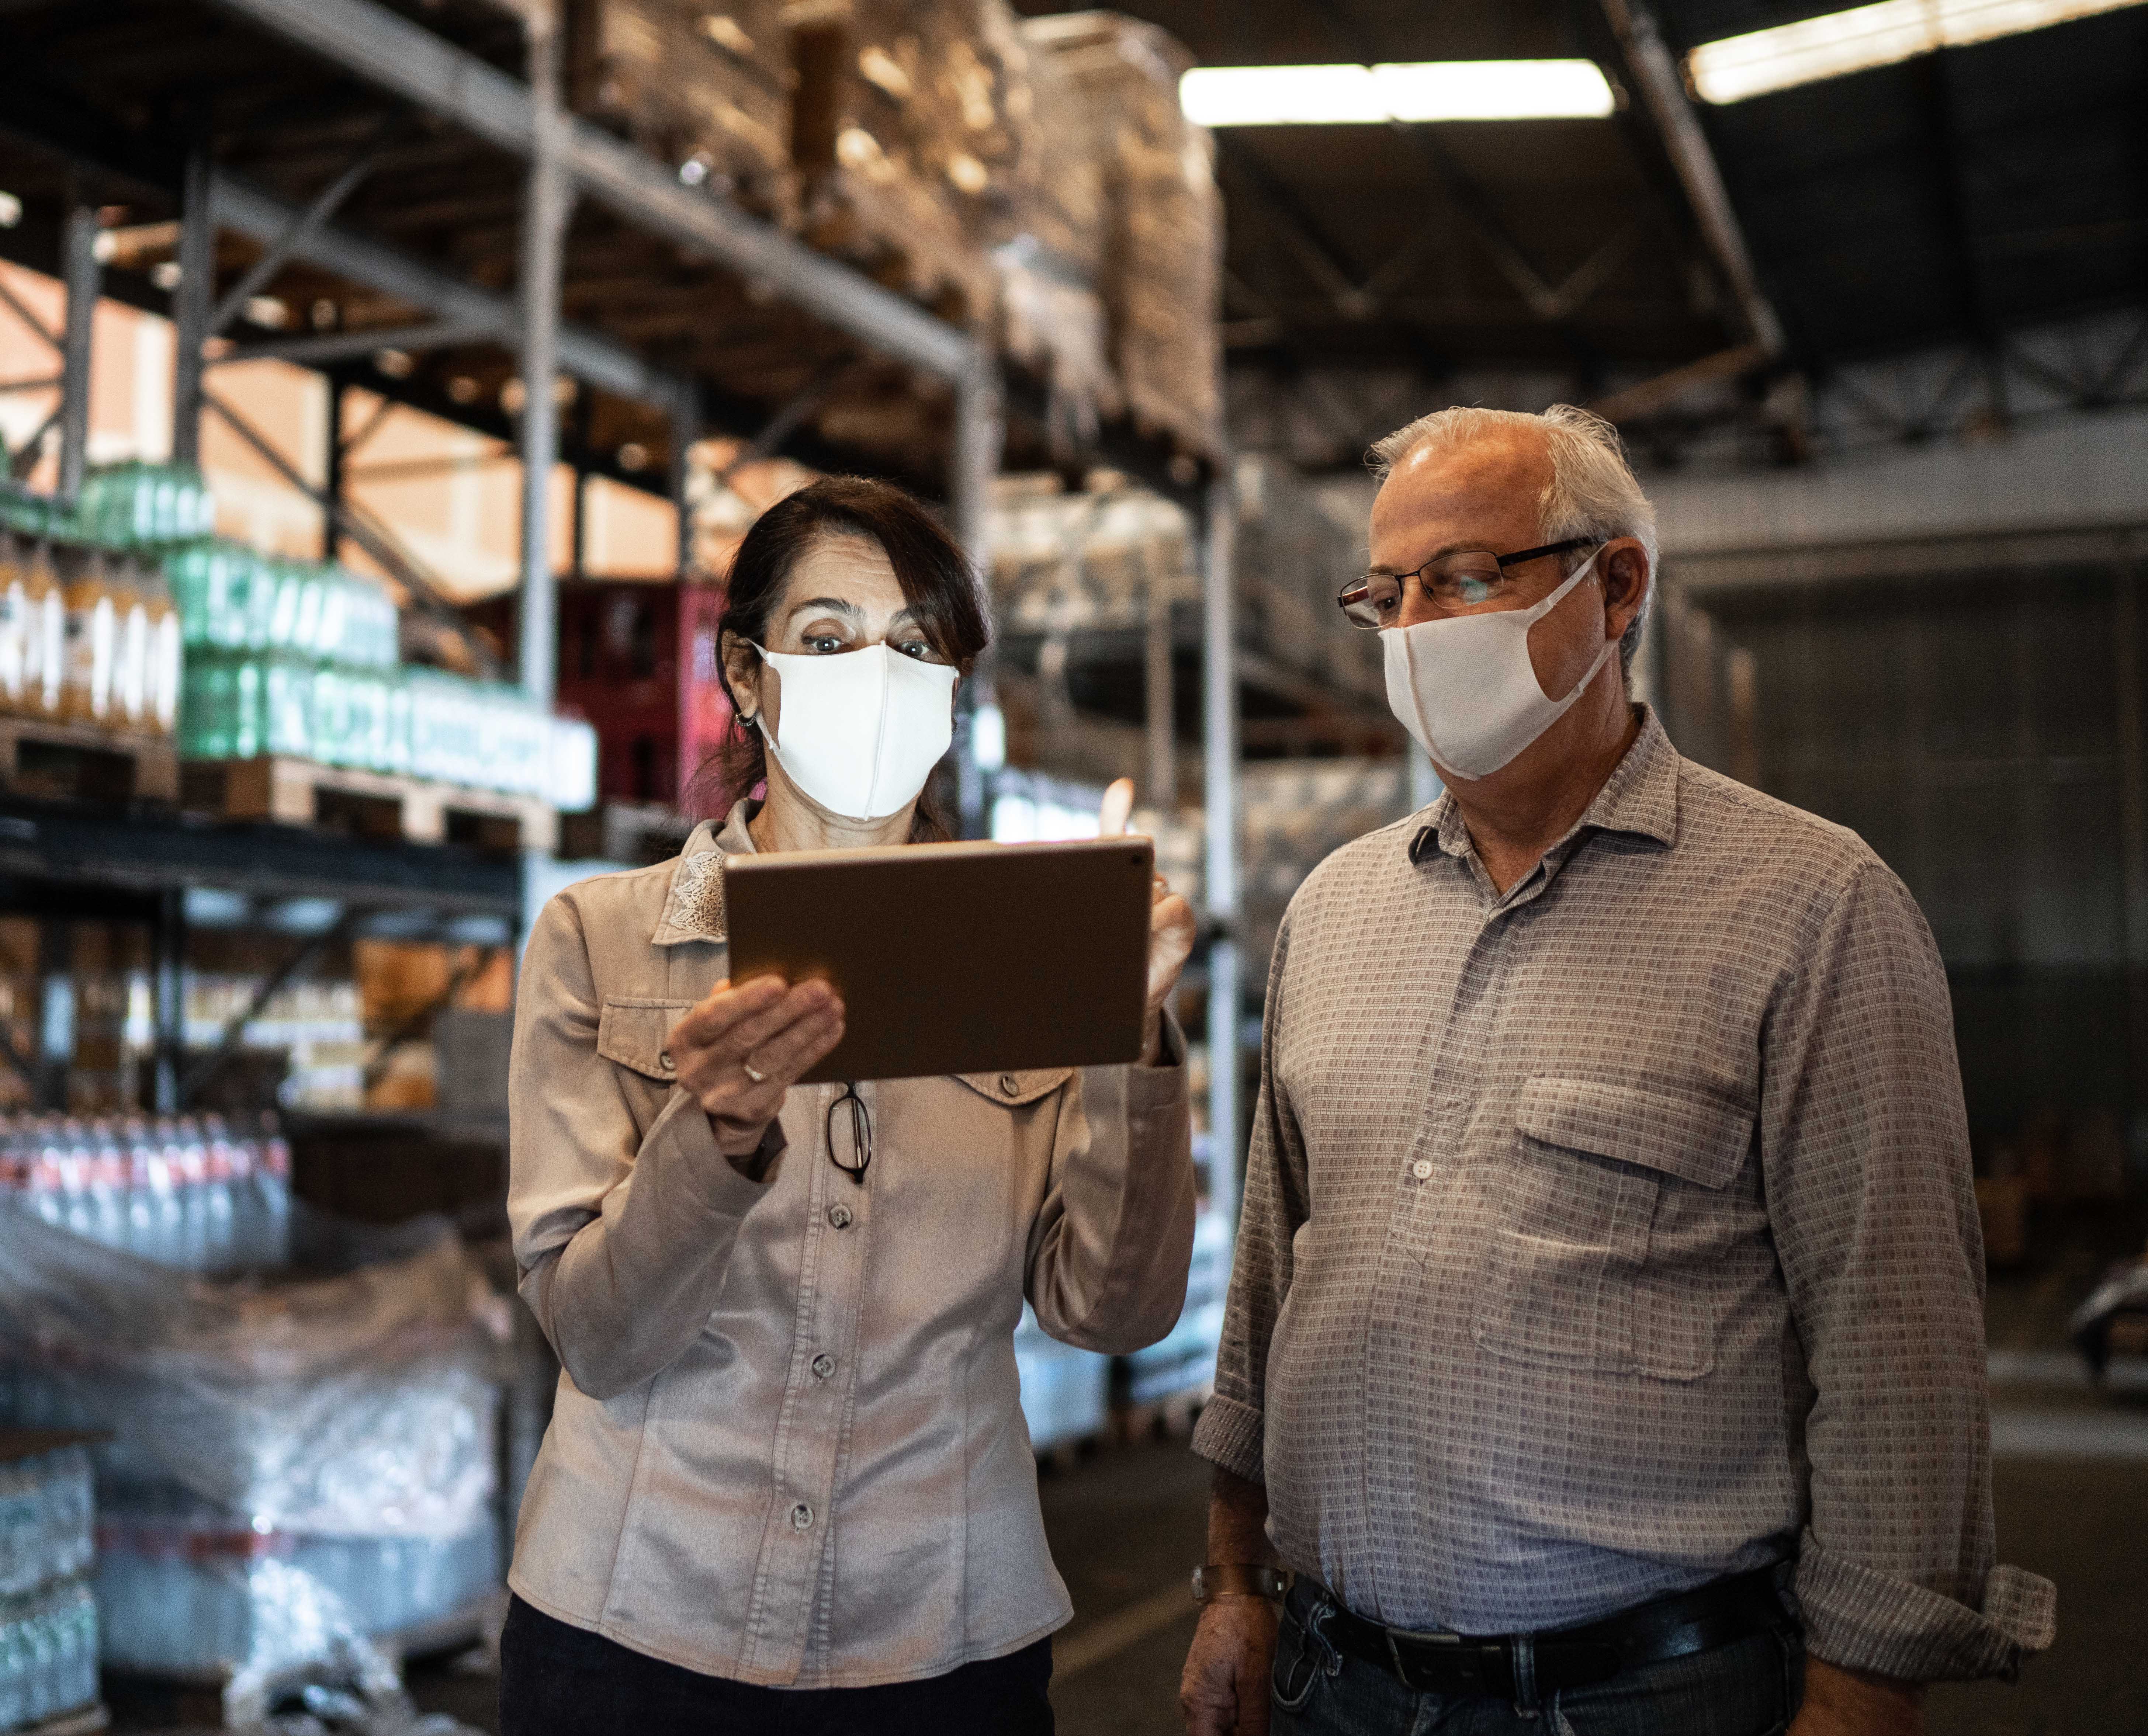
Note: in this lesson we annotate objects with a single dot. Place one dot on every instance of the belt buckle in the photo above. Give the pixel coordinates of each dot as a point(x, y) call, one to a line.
point(1459, 1652)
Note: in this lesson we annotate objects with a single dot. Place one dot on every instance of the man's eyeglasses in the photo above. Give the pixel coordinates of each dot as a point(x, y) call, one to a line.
point(850, 1134)
point(1459, 580)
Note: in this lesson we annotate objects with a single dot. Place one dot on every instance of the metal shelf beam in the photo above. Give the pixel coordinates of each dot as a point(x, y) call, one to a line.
point(411, 61)
point(80, 846)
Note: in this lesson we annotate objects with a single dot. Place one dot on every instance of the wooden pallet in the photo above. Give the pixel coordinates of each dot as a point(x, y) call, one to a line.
point(371, 803)
point(86, 1722)
point(78, 762)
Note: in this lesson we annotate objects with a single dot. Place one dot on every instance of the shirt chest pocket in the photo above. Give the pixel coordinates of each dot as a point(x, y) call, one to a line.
point(632, 1034)
point(1573, 1201)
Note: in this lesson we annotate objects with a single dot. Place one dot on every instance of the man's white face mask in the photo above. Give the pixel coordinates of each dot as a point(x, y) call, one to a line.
point(1465, 688)
point(861, 730)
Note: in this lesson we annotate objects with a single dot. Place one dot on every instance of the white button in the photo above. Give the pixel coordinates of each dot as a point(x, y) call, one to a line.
point(1009, 1085)
point(1422, 1169)
point(801, 1517)
point(665, 1061)
point(824, 1365)
point(840, 1216)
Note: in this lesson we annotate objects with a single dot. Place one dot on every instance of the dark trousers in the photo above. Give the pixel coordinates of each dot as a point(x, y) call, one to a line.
point(558, 1680)
point(1749, 1687)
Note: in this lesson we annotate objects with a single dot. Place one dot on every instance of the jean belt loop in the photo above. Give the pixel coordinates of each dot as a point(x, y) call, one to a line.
point(1521, 1648)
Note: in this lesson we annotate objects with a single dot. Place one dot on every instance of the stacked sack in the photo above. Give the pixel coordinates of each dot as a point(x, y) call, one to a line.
point(708, 90)
point(48, 1615)
point(1163, 247)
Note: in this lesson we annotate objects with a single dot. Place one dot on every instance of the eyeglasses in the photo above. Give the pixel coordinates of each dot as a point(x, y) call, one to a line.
point(1459, 580)
point(858, 1125)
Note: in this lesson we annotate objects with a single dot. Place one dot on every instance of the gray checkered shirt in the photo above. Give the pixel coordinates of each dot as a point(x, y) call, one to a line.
point(1616, 1232)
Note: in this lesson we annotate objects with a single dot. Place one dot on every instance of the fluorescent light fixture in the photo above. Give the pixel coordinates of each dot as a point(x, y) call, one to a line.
point(1867, 36)
point(1424, 90)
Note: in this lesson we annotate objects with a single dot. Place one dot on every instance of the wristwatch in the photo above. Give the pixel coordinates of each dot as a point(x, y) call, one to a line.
point(1238, 1579)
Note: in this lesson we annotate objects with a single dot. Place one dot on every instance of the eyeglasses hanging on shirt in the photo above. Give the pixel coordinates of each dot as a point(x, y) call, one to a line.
point(855, 1139)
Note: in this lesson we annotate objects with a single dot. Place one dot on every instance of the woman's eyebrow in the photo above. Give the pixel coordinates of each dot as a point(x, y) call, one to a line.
point(833, 606)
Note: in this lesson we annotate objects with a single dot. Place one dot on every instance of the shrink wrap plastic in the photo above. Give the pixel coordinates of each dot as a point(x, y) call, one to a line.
point(294, 1466)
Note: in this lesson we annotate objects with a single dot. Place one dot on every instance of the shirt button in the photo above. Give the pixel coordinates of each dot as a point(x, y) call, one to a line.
point(801, 1517)
point(665, 1061)
point(840, 1216)
point(824, 1365)
point(1422, 1169)
point(1009, 1085)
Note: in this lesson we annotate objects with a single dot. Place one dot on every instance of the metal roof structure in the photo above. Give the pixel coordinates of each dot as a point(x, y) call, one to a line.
point(1986, 206)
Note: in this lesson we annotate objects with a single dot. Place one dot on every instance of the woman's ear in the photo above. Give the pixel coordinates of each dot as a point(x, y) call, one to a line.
point(742, 672)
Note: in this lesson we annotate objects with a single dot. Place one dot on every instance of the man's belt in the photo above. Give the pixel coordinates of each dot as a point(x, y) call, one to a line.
point(1725, 1610)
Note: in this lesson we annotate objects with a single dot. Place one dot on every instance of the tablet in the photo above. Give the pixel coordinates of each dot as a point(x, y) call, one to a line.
point(957, 958)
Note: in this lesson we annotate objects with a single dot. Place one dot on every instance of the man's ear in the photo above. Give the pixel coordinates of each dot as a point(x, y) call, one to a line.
point(1626, 577)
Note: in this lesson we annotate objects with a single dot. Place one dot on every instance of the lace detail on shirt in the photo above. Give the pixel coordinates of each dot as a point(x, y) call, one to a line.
point(697, 896)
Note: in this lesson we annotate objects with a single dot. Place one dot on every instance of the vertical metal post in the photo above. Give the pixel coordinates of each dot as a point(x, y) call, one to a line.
point(55, 1010)
point(1219, 720)
point(191, 302)
point(544, 238)
point(1160, 701)
point(686, 430)
point(2133, 835)
point(332, 471)
point(980, 437)
point(80, 263)
point(168, 988)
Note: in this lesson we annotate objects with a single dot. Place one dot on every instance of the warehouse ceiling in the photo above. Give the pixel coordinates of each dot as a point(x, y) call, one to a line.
point(1952, 199)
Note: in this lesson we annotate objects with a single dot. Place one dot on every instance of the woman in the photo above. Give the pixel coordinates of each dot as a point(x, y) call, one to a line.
point(787, 1485)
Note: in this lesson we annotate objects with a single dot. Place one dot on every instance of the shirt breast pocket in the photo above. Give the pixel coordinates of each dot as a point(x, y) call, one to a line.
point(631, 1034)
point(1572, 1208)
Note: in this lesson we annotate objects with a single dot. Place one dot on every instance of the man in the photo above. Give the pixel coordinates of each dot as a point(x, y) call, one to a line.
point(1604, 1350)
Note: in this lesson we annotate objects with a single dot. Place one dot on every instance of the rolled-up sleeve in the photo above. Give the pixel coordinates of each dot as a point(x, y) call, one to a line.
point(1110, 1245)
point(1865, 1153)
point(622, 1237)
point(1230, 1432)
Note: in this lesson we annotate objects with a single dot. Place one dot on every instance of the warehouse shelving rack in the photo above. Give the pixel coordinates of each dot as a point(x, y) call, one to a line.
point(408, 171)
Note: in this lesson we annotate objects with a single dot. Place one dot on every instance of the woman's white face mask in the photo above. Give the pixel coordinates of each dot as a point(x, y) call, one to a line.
point(861, 730)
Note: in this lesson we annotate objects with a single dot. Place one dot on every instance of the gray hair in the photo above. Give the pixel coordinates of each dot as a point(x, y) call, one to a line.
point(1592, 492)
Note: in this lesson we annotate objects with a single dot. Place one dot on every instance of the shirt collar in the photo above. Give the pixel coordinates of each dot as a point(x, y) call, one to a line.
point(693, 909)
point(1640, 797)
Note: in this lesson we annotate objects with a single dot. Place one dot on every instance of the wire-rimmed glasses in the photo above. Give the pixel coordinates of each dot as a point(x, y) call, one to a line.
point(857, 1127)
point(1458, 580)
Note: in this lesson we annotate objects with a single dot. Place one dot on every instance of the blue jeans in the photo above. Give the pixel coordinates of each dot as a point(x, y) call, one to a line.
point(1749, 1687)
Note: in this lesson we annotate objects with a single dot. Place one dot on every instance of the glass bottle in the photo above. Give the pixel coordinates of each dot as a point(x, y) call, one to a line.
point(167, 657)
point(131, 669)
point(44, 645)
point(14, 625)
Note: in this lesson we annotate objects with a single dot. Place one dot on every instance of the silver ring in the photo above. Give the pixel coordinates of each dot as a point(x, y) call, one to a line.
point(754, 1073)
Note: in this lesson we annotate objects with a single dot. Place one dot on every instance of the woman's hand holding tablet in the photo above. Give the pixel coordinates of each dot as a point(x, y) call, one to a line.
point(742, 1047)
point(1170, 930)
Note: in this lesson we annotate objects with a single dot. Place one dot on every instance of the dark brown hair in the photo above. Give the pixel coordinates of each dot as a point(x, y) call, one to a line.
point(937, 582)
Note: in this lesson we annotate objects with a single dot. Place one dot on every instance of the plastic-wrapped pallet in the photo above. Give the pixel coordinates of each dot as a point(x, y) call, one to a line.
point(1164, 217)
point(293, 1466)
point(48, 1624)
point(1184, 1360)
point(1064, 1392)
point(694, 85)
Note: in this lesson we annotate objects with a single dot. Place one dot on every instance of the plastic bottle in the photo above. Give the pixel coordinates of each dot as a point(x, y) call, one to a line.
point(131, 670)
point(14, 624)
point(44, 646)
point(92, 645)
point(167, 657)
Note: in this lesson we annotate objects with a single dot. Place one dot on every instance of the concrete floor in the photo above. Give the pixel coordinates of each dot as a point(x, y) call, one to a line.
point(1127, 1524)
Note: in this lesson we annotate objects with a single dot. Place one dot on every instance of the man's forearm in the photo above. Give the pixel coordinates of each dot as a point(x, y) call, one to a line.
point(1238, 1521)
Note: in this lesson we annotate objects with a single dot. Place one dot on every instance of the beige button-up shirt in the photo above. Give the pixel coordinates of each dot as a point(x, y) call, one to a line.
point(1615, 1233)
point(788, 1446)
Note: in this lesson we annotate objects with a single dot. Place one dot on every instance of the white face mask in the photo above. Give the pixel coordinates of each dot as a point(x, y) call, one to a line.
point(861, 730)
point(1465, 688)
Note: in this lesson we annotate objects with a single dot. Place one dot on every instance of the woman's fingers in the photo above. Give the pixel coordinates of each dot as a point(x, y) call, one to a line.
point(1117, 808)
point(735, 1022)
point(1171, 936)
point(726, 1005)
